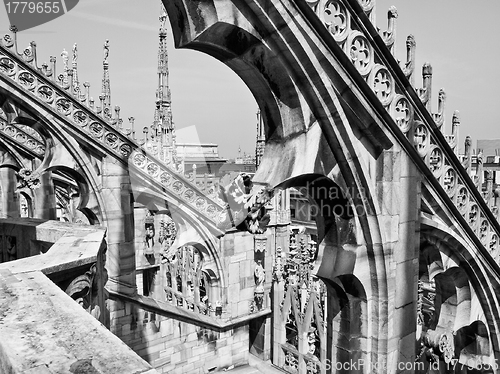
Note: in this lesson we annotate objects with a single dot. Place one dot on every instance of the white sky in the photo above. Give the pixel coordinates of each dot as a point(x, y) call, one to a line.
point(457, 37)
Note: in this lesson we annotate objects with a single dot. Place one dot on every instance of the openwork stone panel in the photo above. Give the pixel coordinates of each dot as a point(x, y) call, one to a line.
point(179, 186)
point(302, 315)
point(185, 283)
point(23, 135)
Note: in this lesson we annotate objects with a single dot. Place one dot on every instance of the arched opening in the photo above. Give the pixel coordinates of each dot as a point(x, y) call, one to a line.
point(320, 307)
point(25, 205)
point(449, 335)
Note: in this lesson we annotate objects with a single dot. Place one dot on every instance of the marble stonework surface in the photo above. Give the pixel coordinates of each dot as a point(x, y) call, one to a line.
point(42, 330)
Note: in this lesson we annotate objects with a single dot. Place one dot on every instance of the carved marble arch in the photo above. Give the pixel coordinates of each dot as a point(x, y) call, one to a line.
point(451, 324)
point(57, 158)
point(54, 164)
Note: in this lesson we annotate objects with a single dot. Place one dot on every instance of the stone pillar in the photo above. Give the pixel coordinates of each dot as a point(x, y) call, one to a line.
point(9, 202)
point(45, 198)
point(118, 200)
point(280, 249)
point(489, 188)
point(398, 188)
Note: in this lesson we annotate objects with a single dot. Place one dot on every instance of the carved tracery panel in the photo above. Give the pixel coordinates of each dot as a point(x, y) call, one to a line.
point(186, 285)
point(302, 300)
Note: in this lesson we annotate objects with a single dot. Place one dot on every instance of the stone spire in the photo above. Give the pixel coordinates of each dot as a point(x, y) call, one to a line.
point(163, 133)
point(74, 66)
point(261, 140)
point(106, 87)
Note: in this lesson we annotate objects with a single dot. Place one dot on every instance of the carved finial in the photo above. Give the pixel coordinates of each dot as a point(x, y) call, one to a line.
point(13, 29)
point(86, 93)
point(425, 92)
point(410, 41)
point(439, 116)
point(64, 56)
point(441, 95)
point(479, 170)
point(455, 124)
point(33, 52)
point(467, 154)
point(117, 113)
point(101, 107)
point(392, 12)
point(456, 118)
point(389, 36)
point(426, 70)
point(409, 67)
point(489, 175)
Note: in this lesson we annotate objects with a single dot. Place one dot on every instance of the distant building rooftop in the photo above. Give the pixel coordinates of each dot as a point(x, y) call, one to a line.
point(489, 147)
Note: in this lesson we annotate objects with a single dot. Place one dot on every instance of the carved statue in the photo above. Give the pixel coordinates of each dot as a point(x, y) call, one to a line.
point(149, 234)
point(163, 18)
point(259, 273)
point(11, 248)
point(311, 340)
point(106, 50)
point(260, 277)
point(166, 237)
point(75, 53)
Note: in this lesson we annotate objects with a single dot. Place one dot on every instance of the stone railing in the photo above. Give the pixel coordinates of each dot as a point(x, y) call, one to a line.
point(98, 127)
point(370, 51)
point(53, 297)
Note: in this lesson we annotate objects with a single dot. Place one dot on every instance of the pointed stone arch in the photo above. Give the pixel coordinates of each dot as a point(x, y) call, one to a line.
point(464, 307)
